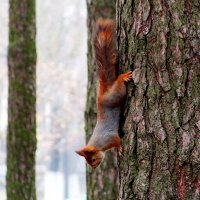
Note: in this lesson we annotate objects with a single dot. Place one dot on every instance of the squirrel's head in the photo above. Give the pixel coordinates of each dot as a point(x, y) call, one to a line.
point(93, 156)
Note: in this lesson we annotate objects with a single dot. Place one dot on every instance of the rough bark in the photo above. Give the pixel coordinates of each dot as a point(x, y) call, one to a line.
point(161, 145)
point(21, 138)
point(101, 182)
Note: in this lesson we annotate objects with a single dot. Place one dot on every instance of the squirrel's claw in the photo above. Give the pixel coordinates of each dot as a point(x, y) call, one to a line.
point(119, 150)
point(127, 76)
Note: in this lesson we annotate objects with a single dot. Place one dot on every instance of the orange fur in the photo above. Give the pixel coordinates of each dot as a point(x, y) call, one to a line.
point(106, 58)
point(110, 97)
point(105, 53)
point(86, 151)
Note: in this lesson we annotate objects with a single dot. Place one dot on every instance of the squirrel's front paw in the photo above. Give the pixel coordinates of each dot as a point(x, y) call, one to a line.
point(127, 76)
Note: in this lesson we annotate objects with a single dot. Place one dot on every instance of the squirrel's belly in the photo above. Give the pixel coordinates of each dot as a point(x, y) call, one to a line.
point(106, 129)
point(99, 140)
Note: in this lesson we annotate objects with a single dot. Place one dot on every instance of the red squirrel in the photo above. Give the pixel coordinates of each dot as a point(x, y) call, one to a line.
point(111, 93)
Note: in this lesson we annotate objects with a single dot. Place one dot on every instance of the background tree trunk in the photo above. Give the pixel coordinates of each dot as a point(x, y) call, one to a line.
point(21, 138)
point(101, 182)
point(161, 146)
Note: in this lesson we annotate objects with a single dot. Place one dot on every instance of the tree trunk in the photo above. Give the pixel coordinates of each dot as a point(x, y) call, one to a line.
point(21, 138)
point(161, 145)
point(101, 182)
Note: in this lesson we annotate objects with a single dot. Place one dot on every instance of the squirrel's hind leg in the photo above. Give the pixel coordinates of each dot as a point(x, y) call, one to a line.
point(119, 150)
point(118, 145)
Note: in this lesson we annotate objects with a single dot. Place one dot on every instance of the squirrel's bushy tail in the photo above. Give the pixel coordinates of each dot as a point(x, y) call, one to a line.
point(105, 51)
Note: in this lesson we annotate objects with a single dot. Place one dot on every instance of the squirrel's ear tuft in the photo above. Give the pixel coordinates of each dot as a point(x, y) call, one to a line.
point(80, 152)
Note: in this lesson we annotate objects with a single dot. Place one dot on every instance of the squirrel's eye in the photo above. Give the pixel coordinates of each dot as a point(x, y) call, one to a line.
point(93, 160)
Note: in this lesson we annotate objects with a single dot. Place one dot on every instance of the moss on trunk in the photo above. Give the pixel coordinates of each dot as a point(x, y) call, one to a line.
point(21, 138)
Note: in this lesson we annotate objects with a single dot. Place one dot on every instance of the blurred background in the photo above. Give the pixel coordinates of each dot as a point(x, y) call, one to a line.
point(61, 96)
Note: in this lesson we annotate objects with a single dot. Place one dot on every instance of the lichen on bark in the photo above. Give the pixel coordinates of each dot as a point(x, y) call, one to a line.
point(161, 124)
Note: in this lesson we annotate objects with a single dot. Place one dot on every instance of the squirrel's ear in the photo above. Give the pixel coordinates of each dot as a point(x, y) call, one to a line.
point(87, 151)
point(80, 152)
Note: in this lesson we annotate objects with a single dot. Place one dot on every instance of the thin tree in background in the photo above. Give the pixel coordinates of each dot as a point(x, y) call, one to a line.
point(161, 145)
point(101, 182)
point(21, 138)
